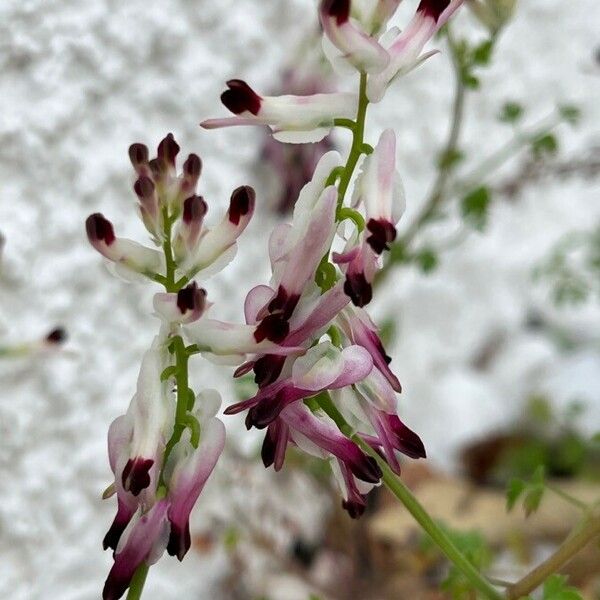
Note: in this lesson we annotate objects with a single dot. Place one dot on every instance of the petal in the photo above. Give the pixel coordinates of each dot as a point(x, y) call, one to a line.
point(318, 368)
point(144, 540)
point(358, 48)
point(185, 306)
point(258, 297)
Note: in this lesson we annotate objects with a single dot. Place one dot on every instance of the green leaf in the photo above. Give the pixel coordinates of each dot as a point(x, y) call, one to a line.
point(596, 438)
point(544, 144)
point(511, 112)
point(168, 373)
point(514, 490)
point(569, 113)
point(475, 207)
point(427, 259)
point(482, 53)
point(556, 588)
point(451, 158)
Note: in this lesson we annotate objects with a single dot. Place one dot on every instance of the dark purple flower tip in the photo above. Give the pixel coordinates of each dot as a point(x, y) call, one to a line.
point(273, 327)
point(355, 507)
point(267, 369)
point(284, 302)
point(382, 234)
point(191, 297)
point(365, 468)
point(266, 411)
point(433, 8)
point(113, 535)
point(240, 97)
point(358, 289)
point(158, 168)
point(57, 336)
point(143, 187)
point(194, 209)
point(136, 474)
point(138, 155)
point(241, 203)
point(179, 540)
point(340, 9)
point(407, 441)
point(115, 586)
point(168, 150)
point(192, 167)
point(99, 229)
point(267, 452)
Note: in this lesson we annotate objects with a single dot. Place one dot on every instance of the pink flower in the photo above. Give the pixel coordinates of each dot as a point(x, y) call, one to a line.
point(405, 50)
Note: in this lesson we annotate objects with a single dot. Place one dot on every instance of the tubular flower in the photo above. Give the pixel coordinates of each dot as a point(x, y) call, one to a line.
point(379, 191)
point(406, 47)
point(164, 448)
point(356, 46)
point(294, 119)
point(198, 251)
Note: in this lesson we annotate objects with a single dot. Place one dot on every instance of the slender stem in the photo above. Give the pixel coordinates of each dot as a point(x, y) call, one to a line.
point(438, 190)
point(395, 485)
point(169, 280)
point(567, 497)
point(584, 533)
point(137, 582)
point(357, 148)
point(181, 411)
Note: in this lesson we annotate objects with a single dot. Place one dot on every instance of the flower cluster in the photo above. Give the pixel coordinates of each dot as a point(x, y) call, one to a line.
point(321, 369)
point(164, 448)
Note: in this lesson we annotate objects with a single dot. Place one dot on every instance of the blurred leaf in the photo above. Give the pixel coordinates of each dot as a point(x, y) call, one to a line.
point(398, 253)
point(596, 438)
point(515, 489)
point(387, 330)
point(556, 588)
point(545, 144)
point(511, 112)
point(539, 409)
point(569, 113)
point(427, 259)
point(245, 387)
point(482, 53)
point(475, 207)
point(231, 538)
point(449, 159)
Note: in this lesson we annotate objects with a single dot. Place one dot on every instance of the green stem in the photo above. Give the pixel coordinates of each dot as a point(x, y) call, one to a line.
point(181, 411)
point(358, 132)
point(395, 485)
point(169, 279)
point(582, 535)
point(137, 583)
point(567, 497)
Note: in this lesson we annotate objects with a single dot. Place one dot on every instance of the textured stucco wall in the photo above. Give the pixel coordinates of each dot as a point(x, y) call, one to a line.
point(79, 81)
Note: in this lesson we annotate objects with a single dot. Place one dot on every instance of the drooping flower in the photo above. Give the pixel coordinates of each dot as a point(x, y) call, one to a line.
point(294, 119)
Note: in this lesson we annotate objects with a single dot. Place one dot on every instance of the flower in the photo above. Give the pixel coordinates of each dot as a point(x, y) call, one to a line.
point(358, 48)
point(168, 201)
point(294, 119)
point(405, 48)
point(379, 191)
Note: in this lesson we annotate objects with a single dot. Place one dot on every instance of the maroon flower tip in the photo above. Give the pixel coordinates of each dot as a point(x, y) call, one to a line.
point(179, 541)
point(267, 452)
point(358, 289)
point(136, 475)
point(433, 8)
point(192, 167)
point(143, 187)
point(113, 535)
point(284, 302)
point(340, 9)
point(240, 97)
point(355, 508)
point(267, 369)
point(273, 327)
point(157, 167)
point(194, 209)
point(407, 441)
point(57, 336)
point(366, 469)
point(99, 229)
point(115, 586)
point(266, 411)
point(168, 150)
point(241, 203)
point(191, 298)
point(382, 234)
point(138, 154)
